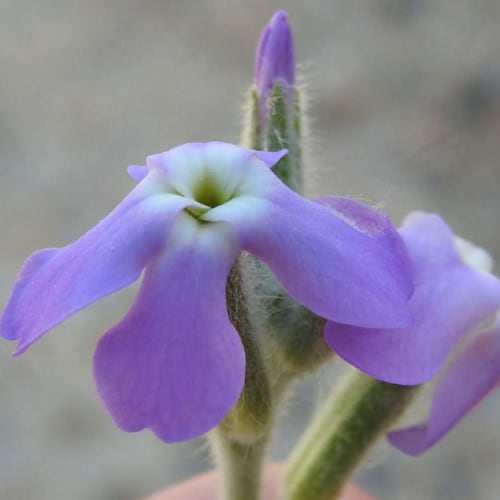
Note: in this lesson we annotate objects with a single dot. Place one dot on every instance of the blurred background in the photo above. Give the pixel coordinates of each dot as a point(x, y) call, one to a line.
point(405, 107)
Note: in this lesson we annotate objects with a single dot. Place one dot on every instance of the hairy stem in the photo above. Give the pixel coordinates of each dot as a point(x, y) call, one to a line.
point(341, 434)
point(252, 413)
point(239, 466)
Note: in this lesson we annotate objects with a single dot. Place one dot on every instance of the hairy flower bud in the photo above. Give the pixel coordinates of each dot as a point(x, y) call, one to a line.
point(273, 113)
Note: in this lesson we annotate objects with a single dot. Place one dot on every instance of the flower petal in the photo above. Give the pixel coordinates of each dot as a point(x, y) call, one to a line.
point(344, 261)
point(137, 172)
point(55, 283)
point(270, 158)
point(450, 301)
point(175, 363)
point(227, 163)
point(471, 376)
point(430, 244)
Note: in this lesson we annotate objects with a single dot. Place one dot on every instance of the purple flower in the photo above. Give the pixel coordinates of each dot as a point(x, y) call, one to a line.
point(453, 296)
point(175, 363)
point(275, 59)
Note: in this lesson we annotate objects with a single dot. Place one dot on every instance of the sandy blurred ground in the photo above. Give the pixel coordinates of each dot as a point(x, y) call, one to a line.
point(405, 99)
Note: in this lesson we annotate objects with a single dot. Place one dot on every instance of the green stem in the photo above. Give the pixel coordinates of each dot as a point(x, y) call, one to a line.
point(341, 434)
point(239, 442)
point(239, 466)
point(252, 414)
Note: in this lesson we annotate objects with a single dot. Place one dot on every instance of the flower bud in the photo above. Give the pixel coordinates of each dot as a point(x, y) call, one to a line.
point(275, 61)
point(273, 113)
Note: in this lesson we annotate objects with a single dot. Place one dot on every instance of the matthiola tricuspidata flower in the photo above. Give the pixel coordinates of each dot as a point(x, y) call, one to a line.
point(175, 363)
point(454, 295)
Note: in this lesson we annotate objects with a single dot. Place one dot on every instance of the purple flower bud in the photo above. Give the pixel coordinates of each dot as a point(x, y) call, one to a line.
point(275, 56)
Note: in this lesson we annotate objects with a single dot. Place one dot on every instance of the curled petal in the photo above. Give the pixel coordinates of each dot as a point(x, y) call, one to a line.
point(137, 172)
point(344, 261)
point(270, 158)
point(175, 364)
point(430, 244)
point(451, 299)
point(471, 376)
point(55, 283)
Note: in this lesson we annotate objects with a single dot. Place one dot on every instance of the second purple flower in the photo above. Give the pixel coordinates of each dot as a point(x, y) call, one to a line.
point(454, 297)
